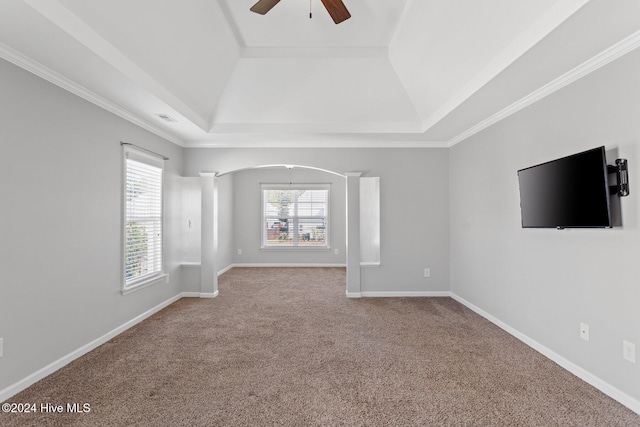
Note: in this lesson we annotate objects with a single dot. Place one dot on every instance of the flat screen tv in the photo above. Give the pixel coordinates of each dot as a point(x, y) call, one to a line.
point(571, 192)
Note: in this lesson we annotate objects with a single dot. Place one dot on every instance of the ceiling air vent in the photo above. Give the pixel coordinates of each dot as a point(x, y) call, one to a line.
point(167, 118)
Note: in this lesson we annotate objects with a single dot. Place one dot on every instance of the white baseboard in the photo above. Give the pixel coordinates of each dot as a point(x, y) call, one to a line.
point(190, 295)
point(576, 370)
point(261, 265)
point(403, 294)
point(199, 294)
point(208, 295)
point(17, 387)
point(284, 265)
point(354, 295)
point(224, 270)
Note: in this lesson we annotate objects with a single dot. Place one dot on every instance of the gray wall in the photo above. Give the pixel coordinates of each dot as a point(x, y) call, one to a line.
point(414, 205)
point(60, 223)
point(545, 282)
point(248, 216)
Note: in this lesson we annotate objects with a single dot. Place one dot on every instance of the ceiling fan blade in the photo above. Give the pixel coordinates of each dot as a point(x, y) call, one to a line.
point(263, 6)
point(337, 10)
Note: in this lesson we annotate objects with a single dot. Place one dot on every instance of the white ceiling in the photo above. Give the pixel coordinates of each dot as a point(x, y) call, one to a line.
point(288, 24)
point(398, 73)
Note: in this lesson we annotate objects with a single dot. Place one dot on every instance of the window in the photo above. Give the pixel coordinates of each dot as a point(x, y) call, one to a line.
point(142, 219)
point(296, 216)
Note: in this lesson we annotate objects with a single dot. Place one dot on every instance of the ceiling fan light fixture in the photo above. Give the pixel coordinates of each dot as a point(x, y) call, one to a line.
point(263, 6)
point(336, 8)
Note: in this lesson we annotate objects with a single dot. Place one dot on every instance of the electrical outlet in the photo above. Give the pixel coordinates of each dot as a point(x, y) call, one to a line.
point(336, 252)
point(239, 251)
point(427, 272)
point(167, 280)
point(584, 331)
point(629, 351)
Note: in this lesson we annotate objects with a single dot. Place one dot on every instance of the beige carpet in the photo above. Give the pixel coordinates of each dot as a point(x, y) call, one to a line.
point(286, 347)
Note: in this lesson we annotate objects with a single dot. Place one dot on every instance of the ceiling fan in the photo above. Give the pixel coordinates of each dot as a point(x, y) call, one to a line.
point(336, 9)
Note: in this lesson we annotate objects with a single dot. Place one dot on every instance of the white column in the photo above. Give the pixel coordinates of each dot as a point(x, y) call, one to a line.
point(209, 238)
point(353, 234)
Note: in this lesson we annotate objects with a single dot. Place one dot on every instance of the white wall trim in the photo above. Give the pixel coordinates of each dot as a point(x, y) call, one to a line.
point(209, 294)
point(229, 267)
point(576, 370)
point(354, 295)
point(198, 265)
point(224, 270)
point(198, 295)
point(190, 295)
point(338, 140)
point(403, 294)
point(284, 265)
point(600, 60)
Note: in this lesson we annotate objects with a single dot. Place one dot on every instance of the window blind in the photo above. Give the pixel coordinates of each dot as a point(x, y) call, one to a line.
point(295, 216)
point(143, 219)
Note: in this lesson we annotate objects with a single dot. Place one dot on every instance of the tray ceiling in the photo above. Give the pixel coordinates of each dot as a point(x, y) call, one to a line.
point(397, 73)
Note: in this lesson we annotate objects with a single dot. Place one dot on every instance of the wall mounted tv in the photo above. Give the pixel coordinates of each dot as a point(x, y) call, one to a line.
point(571, 192)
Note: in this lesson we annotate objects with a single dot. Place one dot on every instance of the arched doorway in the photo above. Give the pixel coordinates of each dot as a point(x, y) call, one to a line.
point(210, 225)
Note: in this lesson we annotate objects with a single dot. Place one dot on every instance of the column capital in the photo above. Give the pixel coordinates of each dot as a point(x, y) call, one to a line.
point(352, 174)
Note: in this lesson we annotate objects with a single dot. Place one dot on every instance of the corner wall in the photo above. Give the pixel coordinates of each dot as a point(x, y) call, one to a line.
point(544, 282)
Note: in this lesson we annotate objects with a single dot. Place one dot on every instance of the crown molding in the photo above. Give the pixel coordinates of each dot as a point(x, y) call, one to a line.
point(305, 141)
point(51, 76)
point(614, 52)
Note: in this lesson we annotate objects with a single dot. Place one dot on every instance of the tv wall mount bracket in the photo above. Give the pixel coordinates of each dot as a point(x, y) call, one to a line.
point(622, 174)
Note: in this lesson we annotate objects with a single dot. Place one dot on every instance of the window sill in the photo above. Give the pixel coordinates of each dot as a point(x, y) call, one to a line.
point(144, 283)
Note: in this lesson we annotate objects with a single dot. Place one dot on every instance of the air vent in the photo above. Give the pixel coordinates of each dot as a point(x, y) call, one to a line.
point(167, 118)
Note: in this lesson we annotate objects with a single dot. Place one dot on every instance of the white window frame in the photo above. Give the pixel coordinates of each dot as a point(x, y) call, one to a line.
point(157, 273)
point(294, 246)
